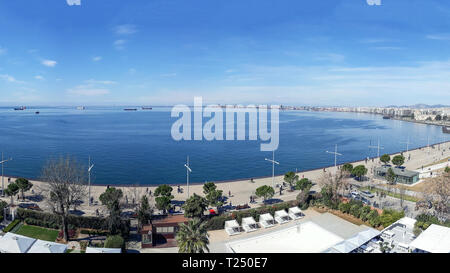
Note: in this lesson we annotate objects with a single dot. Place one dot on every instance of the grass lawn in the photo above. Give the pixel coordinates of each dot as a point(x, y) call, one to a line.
point(38, 232)
point(393, 194)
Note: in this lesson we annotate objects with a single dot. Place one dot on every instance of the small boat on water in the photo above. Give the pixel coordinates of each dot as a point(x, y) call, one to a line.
point(130, 109)
point(386, 117)
point(21, 108)
point(146, 108)
point(37, 113)
point(81, 108)
point(446, 129)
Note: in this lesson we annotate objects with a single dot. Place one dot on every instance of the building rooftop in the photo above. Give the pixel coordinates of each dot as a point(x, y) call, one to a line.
point(397, 171)
point(307, 237)
point(435, 239)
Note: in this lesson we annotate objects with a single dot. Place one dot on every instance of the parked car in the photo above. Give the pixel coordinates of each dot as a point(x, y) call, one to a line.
point(31, 206)
point(365, 201)
point(355, 194)
point(367, 194)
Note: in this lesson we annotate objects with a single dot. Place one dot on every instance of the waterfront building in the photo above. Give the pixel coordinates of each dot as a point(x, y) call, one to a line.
point(161, 232)
point(403, 176)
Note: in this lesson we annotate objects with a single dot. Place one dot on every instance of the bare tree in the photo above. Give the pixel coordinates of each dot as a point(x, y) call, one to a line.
point(439, 192)
point(65, 187)
point(337, 182)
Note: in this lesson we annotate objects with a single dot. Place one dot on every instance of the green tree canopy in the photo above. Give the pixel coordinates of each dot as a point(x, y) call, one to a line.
point(347, 167)
point(193, 237)
point(213, 195)
point(111, 199)
point(209, 187)
point(11, 191)
point(195, 206)
point(164, 197)
point(144, 211)
point(359, 171)
point(24, 185)
point(391, 177)
point(266, 192)
point(291, 178)
point(385, 158)
point(398, 160)
point(164, 190)
point(303, 184)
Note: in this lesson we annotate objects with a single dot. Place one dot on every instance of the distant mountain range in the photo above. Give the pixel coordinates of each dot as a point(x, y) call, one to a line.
point(419, 106)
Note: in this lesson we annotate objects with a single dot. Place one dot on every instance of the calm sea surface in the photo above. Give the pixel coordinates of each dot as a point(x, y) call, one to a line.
point(137, 147)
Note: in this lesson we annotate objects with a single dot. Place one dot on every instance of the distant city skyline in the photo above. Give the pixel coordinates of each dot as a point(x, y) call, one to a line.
point(313, 53)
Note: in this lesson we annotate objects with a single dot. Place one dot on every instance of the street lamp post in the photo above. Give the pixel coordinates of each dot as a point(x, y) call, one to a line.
point(273, 166)
point(335, 155)
point(89, 175)
point(378, 147)
point(407, 144)
point(3, 177)
point(188, 170)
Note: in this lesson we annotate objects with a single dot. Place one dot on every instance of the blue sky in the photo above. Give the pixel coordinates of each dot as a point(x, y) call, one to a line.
point(165, 52)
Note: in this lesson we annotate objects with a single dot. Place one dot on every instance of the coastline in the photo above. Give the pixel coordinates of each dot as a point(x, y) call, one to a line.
point(238, 191)
point(243, 178)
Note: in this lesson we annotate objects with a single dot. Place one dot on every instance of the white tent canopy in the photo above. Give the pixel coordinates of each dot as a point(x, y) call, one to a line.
point(14, 243)
point(103, 250)
point(232, 227)
point(282, 217)
point(295, 213)
point(266, 220)
point(47, 247)
point(249, 224)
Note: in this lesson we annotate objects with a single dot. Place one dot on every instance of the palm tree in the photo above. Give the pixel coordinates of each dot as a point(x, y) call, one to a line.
point(193, 237)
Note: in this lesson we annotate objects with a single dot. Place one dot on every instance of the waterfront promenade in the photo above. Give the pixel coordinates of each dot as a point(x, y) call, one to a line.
point(241, 190)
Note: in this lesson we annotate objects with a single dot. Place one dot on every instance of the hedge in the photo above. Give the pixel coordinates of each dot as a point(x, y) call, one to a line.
point(115, 241)
point(12, 225)
point(51, 220)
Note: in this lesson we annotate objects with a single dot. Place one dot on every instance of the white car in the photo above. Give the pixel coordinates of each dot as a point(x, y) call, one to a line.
point(355, 194)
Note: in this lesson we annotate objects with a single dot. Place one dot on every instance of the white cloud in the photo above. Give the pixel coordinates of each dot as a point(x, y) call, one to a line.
point(169, 75)
point(87, 91)
point(73, 2)
point(9, 78)
point(92, 81)
point(331, 57)
point(119, 44)
point(97, 58)
point(386, 48)
point(438, 36)
point(49, 63)
point(39, 77)
point(125, 29)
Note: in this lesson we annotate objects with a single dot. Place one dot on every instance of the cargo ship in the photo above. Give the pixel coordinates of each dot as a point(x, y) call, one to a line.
point(446, 129)
point(146, 108)
point(130, 109)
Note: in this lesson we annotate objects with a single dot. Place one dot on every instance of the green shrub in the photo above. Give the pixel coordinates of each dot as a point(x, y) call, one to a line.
point(344, 207)
point(51, 220)
point(303, 184)
point(355, 210)
point(115, 241)
point(12, 225)
point(217, 222)
point(364, 213)
point(389, 216)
